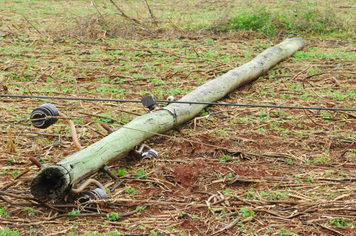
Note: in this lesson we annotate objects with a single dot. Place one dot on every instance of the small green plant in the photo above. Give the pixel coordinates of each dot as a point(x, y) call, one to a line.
point(114, 233)
point(8, 232)
point(74, 212)
point(321, 160)
point(158, 82)
point(272, 126)
point(338, 222)
point(278, 195)
point(112, 216)
point(130, 190)
point(247, 212)
point(290, 161)
point(327, 115)
point(211, 209)
point(204, 113)
point(3, 212)
point(310, 180)
point(225, 158)
point(153, 233)
point(121, 172)
point(181, 214)
point(229, 176)
point(263, 194)
point(15, 174)
point(140, 174)
point(250, 193)
point(263, 114)
point(283, 231)
point(139, 210)
point(29, 211)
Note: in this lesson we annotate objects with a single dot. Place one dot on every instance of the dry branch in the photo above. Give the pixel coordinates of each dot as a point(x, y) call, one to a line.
point(57, 179)
point(135, 21)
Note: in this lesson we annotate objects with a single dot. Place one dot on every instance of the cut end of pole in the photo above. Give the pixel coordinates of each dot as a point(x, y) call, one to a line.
point(50, 183)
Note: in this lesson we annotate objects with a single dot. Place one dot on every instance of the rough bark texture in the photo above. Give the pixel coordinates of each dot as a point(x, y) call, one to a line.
point(55, 180)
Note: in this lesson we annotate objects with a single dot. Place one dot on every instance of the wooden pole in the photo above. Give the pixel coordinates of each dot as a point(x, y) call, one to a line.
point(56, 180)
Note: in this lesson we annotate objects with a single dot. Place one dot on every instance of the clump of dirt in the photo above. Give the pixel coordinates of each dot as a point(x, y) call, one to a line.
point(189, 224)
point(187, 174)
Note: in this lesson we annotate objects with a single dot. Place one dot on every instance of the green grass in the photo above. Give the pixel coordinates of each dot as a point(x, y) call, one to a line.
point(312, 55)
point(292, 18)
point(82, 21)
point(8, 232)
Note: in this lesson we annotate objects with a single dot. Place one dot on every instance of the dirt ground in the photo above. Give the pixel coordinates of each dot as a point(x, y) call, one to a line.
point(230, 171)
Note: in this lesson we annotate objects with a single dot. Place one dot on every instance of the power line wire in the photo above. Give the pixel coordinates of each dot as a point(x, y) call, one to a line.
point(69, 98)
point(182, 102)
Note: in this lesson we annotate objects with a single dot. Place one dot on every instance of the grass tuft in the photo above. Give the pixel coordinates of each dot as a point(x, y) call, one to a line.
point(303, 17)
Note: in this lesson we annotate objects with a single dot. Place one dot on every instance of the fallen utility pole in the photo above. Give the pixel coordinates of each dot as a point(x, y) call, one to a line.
point(56, 180)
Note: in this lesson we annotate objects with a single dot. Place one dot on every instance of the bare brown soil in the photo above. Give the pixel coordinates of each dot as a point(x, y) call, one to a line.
point(293, 170)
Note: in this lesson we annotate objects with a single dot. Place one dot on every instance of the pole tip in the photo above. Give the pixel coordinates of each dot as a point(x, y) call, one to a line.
point(50, 183)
